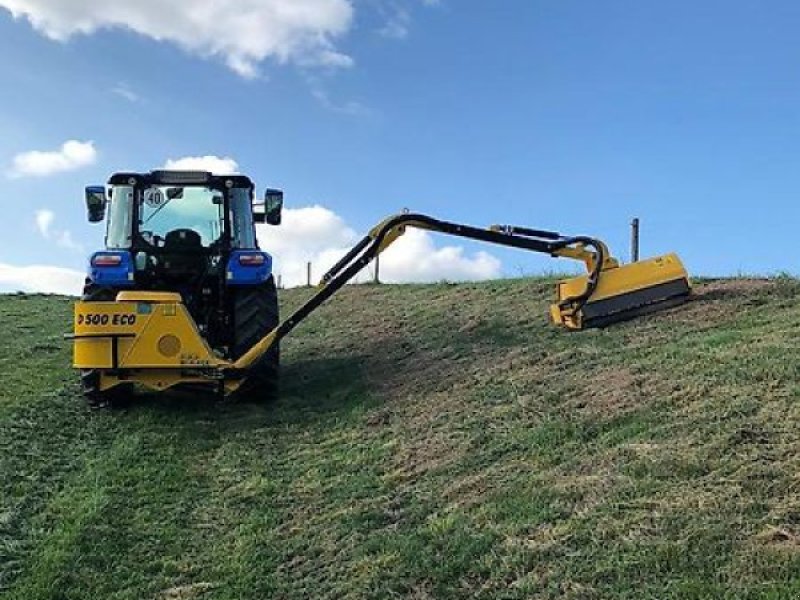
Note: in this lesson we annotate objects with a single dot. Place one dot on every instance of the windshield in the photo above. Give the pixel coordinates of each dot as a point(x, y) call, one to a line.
point(118, 234)
point(163, 210)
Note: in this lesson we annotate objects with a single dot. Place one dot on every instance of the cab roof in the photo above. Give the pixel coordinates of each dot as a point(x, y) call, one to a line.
point(185, 178)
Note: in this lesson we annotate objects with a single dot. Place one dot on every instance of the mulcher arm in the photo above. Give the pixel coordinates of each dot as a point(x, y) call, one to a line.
point(608, 293)
point(150, 338)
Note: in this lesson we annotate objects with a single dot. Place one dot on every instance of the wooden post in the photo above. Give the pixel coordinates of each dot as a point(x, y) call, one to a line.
point(280, 282)
point(308, 274)
point(635, 240)
point(377, 278)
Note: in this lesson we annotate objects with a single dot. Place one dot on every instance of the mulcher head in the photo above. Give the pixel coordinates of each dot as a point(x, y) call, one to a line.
point(621, 292)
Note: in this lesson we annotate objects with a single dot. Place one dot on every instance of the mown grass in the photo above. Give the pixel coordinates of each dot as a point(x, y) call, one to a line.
point(438, 441)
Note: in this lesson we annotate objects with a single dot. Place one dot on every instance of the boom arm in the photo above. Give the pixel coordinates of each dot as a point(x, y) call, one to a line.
point(594, 254)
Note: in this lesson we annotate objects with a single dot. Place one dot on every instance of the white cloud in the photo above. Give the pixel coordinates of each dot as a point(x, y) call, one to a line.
point(123, 90)
point(241, 32)
point(44, 224)
point(396, 26)
point(318, 87)
point(41, 278)
point(311, 234)
point(44, 219)
point(65, 240)
point(318, 235)
point(351, 108)
point(210, 163)
point(415, 257)
point(396, 16)
point(36, 163)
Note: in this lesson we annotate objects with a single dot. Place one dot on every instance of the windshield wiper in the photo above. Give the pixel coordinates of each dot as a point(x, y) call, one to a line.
point(158, 210)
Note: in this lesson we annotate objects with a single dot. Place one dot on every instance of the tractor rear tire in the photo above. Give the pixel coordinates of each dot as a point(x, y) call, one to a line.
point(90, 378)
point(116, 397)
point(255, 314)
point(93, 292)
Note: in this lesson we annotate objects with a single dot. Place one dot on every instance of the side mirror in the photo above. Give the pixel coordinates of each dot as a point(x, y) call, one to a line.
point(273, 205)
point(96, 203)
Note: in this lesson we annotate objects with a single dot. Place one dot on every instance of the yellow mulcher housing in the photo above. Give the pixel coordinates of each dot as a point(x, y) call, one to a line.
point(149, 338)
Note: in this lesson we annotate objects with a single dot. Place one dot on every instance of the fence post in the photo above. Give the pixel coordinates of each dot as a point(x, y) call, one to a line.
point(635, 240)
point(377, 278)
point(280, 282)
point(308, 274)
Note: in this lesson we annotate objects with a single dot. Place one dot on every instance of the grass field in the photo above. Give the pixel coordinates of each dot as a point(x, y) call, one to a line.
point(439, 441)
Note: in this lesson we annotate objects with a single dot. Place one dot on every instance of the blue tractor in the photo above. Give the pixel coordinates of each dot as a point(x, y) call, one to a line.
point(191, 233)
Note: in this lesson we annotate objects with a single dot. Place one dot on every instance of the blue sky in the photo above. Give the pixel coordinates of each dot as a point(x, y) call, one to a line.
point(568, 115)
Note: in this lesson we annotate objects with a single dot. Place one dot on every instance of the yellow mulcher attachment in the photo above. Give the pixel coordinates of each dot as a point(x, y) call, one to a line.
point(149, 338)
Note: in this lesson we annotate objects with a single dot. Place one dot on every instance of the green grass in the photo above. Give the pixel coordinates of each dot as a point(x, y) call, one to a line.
point(439, 441)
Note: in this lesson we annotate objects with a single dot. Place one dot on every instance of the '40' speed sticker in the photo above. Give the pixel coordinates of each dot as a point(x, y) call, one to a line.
point(153, 197)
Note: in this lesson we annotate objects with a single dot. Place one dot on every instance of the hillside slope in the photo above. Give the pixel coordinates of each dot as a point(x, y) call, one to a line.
point(430, 442)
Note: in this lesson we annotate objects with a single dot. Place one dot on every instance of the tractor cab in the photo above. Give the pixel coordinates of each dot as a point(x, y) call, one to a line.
point(170, 229)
